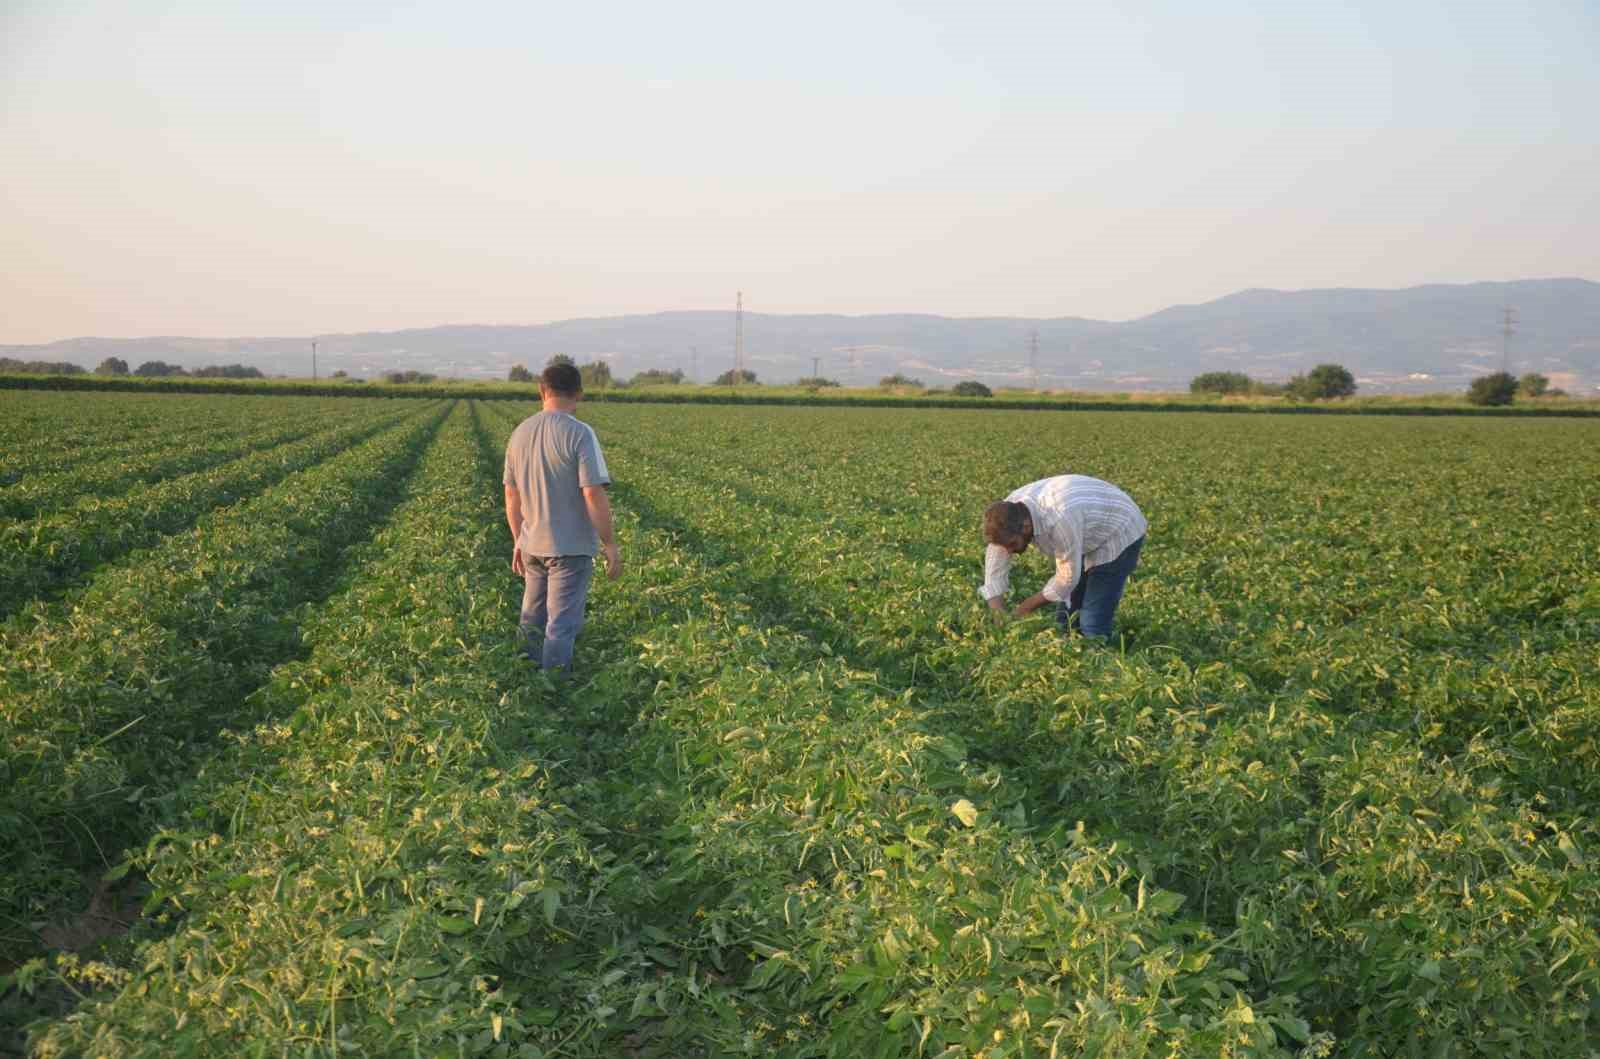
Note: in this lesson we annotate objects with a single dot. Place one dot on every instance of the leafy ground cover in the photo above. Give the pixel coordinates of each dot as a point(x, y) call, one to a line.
point(1332, 791)
point(109, 467)
point(44, 555)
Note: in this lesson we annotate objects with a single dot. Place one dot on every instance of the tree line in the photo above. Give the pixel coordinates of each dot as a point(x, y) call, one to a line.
point(1330, 381)
point(150, 369)
point(597, 375)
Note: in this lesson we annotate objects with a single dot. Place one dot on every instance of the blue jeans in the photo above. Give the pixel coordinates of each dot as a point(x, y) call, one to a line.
point(554, 593)
point(1099, 591)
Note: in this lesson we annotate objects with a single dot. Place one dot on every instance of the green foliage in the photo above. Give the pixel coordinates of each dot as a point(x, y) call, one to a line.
point(817, 382)
point(112, 366)
point(1323, 382)
point(39, 367)
point(1533, 384)
point(899, 380)
point(1499, 388)
point(519, 373)
point(743, 377)
point(596, 375)
point(1333, 792)
point(1221, 382)
point(971, 388)
point(408, 378)
point(228, 371)
point(158, 369)
point(560, 358)
point(657, 377)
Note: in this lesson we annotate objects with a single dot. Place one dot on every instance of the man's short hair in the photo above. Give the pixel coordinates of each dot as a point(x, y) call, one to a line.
point(1003, 521)
point(563, 380)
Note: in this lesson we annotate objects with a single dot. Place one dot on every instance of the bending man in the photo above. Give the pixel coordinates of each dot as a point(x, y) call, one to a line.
point(1092, 529)
point(559, 513)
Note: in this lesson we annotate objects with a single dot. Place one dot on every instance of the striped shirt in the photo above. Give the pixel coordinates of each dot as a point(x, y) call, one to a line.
point(1080, 521)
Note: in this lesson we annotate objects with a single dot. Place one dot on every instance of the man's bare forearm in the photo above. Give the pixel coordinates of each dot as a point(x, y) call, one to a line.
point(1032, 603)
point(599, 506)
point(514, 512)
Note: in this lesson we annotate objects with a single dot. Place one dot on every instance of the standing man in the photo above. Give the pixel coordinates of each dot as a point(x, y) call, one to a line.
point(559, 514)
point(1092, 529)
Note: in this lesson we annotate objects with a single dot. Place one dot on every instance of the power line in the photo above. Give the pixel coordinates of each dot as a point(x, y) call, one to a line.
point(1507, 330)
point(738, 337)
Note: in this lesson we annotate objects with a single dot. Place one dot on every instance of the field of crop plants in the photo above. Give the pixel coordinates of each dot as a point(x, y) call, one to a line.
point(276, 782)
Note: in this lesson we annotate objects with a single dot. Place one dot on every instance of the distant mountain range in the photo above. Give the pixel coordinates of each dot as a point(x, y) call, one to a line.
point(1435, 337)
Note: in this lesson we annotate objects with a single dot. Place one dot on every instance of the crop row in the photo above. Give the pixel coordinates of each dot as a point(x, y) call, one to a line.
point(44, 555)
point(43, 432)
point(1309, 787)
point(827, 873)
point(1333, 789)
point(357, 871)
point(111, 695)
point(116, 465)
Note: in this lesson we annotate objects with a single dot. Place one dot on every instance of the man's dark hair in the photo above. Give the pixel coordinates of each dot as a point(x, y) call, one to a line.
point(1003, 521)
point(562, 380)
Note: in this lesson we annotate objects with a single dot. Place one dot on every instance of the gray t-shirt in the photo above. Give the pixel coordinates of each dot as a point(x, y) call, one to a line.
point(550, 459)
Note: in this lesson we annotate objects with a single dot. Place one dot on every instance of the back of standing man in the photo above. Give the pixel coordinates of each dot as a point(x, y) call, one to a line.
point(560, 515)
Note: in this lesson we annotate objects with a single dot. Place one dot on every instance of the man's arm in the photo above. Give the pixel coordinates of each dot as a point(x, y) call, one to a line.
point(1031, 604)
point(996, 580)
point(599, 507)
point(514, 520)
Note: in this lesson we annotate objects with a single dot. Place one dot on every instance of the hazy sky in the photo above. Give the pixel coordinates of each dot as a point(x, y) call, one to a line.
point(299, 167)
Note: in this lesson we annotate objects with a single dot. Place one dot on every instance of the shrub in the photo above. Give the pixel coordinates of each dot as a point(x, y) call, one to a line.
point(971, 388)
point(1499, 388)
point(1221, 382)
point(898, 379)
point(596, 375)
point(745, 377)
point(816, 382)
point(1322, 382)
point(112, 366)
point(1533, 384)
point(519, 373)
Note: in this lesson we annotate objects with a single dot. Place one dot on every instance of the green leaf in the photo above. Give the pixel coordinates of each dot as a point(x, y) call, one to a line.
point(965, 811)
point(455, 925)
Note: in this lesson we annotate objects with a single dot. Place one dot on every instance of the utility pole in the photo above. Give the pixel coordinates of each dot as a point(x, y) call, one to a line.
point(694, 364)
point(1508, 328)
point(1033, 361)
point(815, 370)
point(738, 337)
point(313, 360)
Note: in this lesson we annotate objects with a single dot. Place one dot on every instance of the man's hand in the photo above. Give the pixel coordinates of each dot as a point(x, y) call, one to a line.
point(613, 561)
point(1029, 605)
point(517, 566)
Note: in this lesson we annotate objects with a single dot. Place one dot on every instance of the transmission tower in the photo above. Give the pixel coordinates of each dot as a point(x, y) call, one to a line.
point(1508, 327)
point(694, 364)
point(816, 369)
point(1033, 361)
point(738, 337)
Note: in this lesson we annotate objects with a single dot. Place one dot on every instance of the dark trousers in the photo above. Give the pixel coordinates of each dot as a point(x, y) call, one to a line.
point(1097, 594)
